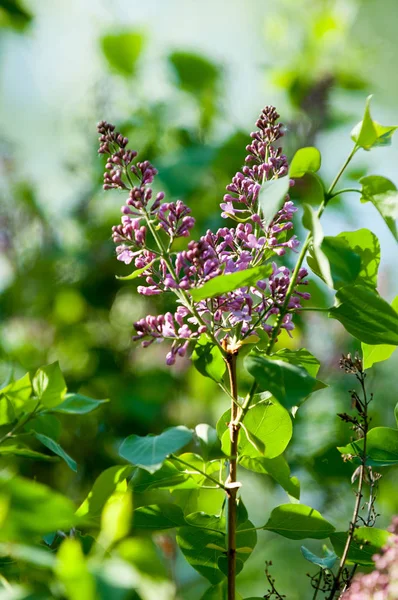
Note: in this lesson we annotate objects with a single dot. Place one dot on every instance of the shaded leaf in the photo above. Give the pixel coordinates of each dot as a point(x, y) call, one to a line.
point(289, 384)
point(149, 452)
point(158, 517)
point(57, 449)
point(384, 196)
point(76, 404)
point(365, 315)
point(297, 522)
point(326, 562)
point(34, 509)
point(277, 468)
point(195, 73)
point(381, 447)
point(272, 196)
point(367, 542)
point(312, 223)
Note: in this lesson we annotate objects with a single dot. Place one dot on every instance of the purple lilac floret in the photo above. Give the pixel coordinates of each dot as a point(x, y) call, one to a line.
point(382, 583)
point(251, 243)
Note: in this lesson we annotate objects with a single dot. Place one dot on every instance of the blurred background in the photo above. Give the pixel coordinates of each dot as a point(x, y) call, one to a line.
point(185, 81)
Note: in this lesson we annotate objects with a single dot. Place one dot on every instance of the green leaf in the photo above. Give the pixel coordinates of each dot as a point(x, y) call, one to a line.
point(301, 357)
point(373, 354)
point(18, 398)
point(369, 133)
point(76, 404)
point(195, 74)
point(32, 555)
point(71, 569)
point(277, 468)
point(228, 283)
point(122, 51)
point(57, 449)
point(208, 359)
point(366, 245)
point(136, 273)
point(169, 476)
point(365, 315)
point(345, 265)
point(46, 424)
point(326, 562)
point(312, 223)
point(158, 517)
point(49, 385)
point(270, 423)
point(288, 383)
point(396, 413)
point(204, 544)
point(34, 509)
point(272, 196)
point(15, 447)
point(306, 160)
point(116, 516)
point(384, 196)
point(202, 548)
point(142, 553)
point(208, 440)
point(104, 486)
point(297, 522)
point(150, 452)
point(367, 542)
point(381, 447)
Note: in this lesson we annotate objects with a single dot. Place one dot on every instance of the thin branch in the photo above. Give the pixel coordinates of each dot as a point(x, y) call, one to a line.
point(199, 471)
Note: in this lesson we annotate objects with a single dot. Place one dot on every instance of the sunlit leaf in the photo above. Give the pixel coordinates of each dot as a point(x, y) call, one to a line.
point(49, 385)
point(369, 133)
point(306, 160)
point(228, 283)
point(116, 516)
point(271, 423)
point(208, 359)
point(122, 51)
point(104, 486)
point(71, 569)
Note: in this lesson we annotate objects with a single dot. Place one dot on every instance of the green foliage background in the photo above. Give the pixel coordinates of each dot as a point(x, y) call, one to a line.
point(177, 100)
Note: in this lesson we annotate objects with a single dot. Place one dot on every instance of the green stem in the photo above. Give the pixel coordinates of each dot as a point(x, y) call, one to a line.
point(343, 191)
point(232, 489)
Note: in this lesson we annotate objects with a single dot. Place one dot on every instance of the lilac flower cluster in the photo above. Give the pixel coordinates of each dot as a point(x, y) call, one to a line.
point(251, 243)
point(382, 583)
